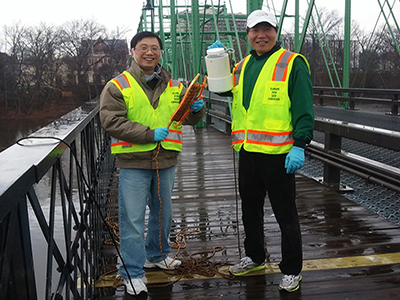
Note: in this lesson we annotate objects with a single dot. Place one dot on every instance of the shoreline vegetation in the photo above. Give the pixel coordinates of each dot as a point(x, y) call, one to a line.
point(57, 110)
point(49, 112)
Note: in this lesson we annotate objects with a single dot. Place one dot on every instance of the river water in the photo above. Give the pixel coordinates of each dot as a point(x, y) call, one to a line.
point(10, 132)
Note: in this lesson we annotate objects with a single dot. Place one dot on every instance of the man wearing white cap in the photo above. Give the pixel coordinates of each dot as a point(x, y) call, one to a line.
point(272, 121)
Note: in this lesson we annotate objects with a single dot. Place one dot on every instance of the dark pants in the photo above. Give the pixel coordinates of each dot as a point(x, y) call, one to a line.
point(259, 174)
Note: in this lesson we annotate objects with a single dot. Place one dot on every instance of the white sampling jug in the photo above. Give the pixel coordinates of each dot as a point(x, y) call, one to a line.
point(219, 76)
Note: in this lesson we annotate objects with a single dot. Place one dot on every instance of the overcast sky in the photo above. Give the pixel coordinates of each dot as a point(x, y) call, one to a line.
point(126, 14)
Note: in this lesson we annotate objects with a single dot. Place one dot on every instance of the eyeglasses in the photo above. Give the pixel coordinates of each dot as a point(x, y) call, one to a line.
point(145, 48)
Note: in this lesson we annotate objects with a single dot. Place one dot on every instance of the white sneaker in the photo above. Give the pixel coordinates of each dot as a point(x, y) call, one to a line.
point(138, 286)
point(167, 264)
point(290, 283)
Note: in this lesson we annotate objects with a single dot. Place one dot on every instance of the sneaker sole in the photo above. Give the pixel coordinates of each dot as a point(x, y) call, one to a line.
point(149, 266)
point(292, 290)
point(142, 293)
point(249, 270)
point(160, 265)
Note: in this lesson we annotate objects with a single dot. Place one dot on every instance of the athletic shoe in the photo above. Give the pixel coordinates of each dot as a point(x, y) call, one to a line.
point(246, 265)
point(138, 286)
point(290, 283)
point(167, 264)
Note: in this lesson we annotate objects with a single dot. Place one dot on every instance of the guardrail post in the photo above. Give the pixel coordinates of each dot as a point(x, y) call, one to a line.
point(321, 98)
point(227, 125)
point(352, 102)
point(333, 143)
point(395, 105)
point(208, 117)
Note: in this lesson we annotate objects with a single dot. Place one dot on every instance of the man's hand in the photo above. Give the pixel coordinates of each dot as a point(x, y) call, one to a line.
point(294, 160)
point(216, 44)
point(197, 105)
point(160, 134)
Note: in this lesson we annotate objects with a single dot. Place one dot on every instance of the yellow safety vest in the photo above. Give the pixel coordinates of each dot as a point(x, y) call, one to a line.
point(266, 126)
point(140, 110)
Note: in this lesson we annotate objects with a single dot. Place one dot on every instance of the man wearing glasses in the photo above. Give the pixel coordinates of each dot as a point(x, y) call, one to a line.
point(135, 108)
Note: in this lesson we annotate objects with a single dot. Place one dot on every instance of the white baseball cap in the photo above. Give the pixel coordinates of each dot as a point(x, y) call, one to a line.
point(259, 16)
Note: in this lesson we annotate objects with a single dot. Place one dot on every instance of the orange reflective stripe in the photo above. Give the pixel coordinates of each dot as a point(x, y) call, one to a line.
point(281, 67)
point(237, 70)
point(173, 141)
point(121, 144)
point(117, 83)
point(259, 137)
point(238, 136)
point(286, 68)
point(126, 78)
point(122, 84)
point(276, 66)
point(269, 138)
point(269, 132)
point(270, 144)
point(235, 82)
point(176, 131)
point(174, 83)
point(174, 136)
point(238, 131)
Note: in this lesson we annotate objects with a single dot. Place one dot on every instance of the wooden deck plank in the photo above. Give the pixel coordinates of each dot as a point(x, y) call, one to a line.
point(334, 229)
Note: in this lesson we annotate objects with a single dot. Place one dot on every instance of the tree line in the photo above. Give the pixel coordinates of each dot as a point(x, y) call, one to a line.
point(374, 60)
point(44, 63)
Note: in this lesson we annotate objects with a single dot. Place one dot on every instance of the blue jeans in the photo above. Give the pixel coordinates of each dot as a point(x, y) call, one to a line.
point(138, 188)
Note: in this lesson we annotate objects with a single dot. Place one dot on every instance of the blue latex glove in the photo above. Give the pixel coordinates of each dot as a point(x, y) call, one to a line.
point(294, 160)
point(197, 105)
point(160, 134)
point(216, 44)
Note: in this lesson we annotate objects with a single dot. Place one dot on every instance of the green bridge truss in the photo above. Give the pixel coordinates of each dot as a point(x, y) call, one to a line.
point(188, 27)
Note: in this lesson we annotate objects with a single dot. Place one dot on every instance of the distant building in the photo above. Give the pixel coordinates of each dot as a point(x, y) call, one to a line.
point(96, 62)
point(107, 59)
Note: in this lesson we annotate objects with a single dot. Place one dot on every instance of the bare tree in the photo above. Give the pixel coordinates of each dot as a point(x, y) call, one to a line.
point(34, 61)
point(78, 40)
point(42, 64)
point(8, 81)
point(117, 55)
point(15, 45)
point(323, 44)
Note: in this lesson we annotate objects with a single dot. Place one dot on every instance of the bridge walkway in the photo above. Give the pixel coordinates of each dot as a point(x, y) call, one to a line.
point(349, 251)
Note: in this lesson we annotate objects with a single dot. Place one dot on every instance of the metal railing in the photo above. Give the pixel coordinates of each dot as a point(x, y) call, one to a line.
point(351, 96)
point(71, 158)
point(331, 154)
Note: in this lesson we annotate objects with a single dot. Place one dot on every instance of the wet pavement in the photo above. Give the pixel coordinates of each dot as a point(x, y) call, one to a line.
point(350, 252)
point(378, 199)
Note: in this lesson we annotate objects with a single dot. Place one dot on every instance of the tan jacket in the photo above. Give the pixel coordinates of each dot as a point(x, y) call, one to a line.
point(113, 118)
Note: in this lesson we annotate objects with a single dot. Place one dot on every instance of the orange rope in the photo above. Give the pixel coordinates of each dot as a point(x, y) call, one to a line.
point(159, 198)
point(115, 229)
point(192, 94)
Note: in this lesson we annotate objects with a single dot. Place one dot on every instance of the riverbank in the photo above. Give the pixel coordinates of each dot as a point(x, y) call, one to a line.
point(15, 125)
point(47, 113)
